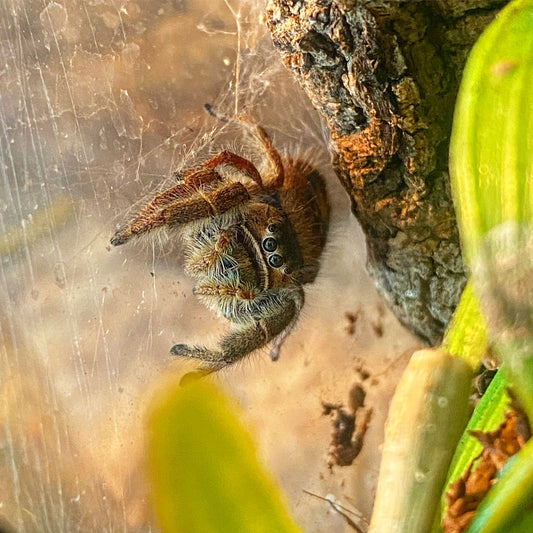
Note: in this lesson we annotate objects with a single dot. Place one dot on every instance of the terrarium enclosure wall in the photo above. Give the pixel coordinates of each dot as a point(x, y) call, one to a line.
point(101, 101)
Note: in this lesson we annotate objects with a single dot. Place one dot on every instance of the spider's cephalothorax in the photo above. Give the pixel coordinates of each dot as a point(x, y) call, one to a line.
point(252, 241)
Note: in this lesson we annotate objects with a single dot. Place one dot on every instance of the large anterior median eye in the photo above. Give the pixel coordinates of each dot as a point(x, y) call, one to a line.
point(275, 260)
point(270, 244)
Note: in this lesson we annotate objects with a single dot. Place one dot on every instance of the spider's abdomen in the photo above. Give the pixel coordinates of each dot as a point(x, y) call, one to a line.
point(304, 198)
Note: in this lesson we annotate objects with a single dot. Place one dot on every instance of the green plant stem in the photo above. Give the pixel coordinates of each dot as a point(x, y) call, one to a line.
point(426, 419)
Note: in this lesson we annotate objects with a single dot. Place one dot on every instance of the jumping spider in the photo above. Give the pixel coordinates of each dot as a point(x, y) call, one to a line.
point(252, 241)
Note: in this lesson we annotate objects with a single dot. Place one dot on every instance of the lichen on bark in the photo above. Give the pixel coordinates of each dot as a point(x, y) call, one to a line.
point(384, 74)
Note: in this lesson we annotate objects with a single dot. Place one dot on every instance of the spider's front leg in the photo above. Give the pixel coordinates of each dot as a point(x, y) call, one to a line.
point(201, 193)
point(278, 315)
point(204, 195)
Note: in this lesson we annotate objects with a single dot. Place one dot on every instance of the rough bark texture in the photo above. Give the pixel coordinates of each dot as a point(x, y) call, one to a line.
point(384, 76)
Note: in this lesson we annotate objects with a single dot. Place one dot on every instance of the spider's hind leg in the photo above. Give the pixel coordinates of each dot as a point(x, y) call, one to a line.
point(197, 177)
point(233, 347)
point(262, 136)
point(275, 324)
point(211, 359)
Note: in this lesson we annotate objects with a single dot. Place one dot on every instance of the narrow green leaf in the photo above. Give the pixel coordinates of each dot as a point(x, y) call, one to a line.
point(524, 524)
point(510, 498)
point(203, 468)
point(466, 336)
point(487, 416)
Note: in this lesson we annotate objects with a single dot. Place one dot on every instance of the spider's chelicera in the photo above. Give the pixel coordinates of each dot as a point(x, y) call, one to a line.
point(252, 241)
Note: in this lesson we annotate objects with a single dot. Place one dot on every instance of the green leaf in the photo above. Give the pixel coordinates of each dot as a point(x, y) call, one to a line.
point(510, 498)
point(203, 468)
point(524, 524)
point(466, 336)
point(491, 165)
point(492, 137)
point(487, 416)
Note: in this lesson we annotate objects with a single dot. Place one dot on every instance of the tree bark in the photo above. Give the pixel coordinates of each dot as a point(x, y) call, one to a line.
point(384, 75)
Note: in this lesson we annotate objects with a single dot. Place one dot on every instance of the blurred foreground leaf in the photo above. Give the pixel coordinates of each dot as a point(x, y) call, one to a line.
point(203, 467)
point(43, 221)
point(491, 166)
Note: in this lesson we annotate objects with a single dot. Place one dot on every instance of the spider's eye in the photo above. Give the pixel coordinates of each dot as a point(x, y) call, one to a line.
point(270, 244)
point(275, 260)
point(287, 270)
point(272, 228)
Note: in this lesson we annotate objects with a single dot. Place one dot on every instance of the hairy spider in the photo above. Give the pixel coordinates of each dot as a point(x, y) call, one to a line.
point(252, 240)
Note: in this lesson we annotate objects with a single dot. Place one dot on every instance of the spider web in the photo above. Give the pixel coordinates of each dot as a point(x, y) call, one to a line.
point(101, 101)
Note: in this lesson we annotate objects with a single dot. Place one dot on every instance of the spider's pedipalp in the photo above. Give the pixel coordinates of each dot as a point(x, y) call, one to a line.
point(208, 254)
